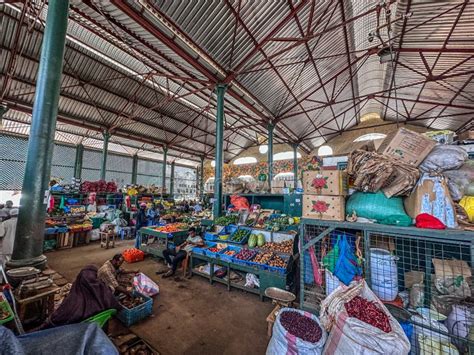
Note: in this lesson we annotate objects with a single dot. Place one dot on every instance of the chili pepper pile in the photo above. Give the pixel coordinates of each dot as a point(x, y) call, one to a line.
point(368, 312)
point(300, 326)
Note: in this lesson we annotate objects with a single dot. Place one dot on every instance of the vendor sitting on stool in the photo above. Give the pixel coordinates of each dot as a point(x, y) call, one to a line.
point(181, 251)
point(114, 277)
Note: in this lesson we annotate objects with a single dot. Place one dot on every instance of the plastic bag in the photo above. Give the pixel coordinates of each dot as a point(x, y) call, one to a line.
point(459, 180)
point(144, 285)
point(347, 266)
point(444, 157)
point(239, 202)
point(282, 342)
point(349, 335)
point(251, 280)
point(467, 202)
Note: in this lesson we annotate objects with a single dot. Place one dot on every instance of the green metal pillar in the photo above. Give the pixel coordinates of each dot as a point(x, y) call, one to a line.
point(295, 164)
point(172, 180)
point(217, 210)
point(201, 179)
point(78, 162)
point(134, 169)
point(105, 152)
point(163, 181)
point(270, 155)
point(28, 246)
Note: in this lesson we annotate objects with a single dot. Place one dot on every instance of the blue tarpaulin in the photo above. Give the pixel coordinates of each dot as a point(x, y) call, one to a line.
point(81, 338)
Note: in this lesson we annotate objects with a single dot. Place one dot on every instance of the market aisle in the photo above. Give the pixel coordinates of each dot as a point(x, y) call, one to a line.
point(190, 316)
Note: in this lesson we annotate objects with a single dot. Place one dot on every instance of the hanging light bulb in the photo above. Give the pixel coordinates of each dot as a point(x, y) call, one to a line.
point(263, 149)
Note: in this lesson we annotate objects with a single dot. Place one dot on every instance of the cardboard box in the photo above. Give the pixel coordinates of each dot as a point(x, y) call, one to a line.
point(325, 182)
point(406, 145)
point(330, 208)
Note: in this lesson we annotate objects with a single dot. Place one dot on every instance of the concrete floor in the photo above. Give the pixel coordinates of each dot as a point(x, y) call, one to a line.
point(189, 316)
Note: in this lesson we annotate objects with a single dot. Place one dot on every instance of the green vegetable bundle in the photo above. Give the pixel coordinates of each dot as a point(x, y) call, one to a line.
point(226, 220)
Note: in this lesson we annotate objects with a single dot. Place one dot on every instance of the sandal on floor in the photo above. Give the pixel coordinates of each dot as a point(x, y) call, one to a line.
point(168, 274)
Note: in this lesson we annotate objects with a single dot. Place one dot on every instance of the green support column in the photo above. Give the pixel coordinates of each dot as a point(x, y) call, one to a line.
point(78, 162)
point(105, 152)
point(28, 245)
point(201, 179)
point(270, 155)
point(217, 210)
point(134, 169)
point(163, 181)
point(172, 180)
point(295, 164)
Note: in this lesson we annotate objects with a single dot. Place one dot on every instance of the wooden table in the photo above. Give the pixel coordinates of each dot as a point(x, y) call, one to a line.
point(44, 296)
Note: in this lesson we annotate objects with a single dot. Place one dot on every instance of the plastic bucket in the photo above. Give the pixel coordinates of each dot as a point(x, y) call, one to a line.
point(383, 274)
point(332, 282)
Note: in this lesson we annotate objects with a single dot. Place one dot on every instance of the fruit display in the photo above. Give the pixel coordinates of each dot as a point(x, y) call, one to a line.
point(262, 258)
point(240, 235)
point(224, 237)
point(226, 220)
point(368, 312)
point(172, 227)
point(245, 254)
point(301, 326)
point(281, 247)
point(256, 240)
point(277, 261)
point(215, 249)
point(230, 252)
point(131, 302)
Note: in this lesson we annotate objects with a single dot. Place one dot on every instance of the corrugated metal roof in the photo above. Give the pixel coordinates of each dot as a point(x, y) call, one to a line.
point(307, 66)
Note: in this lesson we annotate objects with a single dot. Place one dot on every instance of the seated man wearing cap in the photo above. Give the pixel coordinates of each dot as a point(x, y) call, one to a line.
point(181, 251)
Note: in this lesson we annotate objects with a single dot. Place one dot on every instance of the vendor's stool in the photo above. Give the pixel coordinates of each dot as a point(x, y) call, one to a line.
point(107, 239)
point(280, 298)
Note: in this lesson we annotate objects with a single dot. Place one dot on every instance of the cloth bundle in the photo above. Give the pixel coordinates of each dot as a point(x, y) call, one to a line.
point(373, 172)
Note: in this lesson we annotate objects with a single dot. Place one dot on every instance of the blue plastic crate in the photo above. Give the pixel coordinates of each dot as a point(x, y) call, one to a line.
point(51, 230)
point(228, 258)
point(133, 315)
point(230, 229)
point(212, 254)
point(202, 250)
point(62, 229)
point(243, 262)
point(210, 236)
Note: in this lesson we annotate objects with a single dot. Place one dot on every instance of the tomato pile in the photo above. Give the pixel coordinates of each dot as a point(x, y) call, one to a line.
point(300, 326)
point(171, 228)
point(133, 255)
point(368, 312)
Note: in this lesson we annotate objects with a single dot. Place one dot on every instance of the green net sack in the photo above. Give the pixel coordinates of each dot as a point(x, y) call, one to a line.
point(378, 207)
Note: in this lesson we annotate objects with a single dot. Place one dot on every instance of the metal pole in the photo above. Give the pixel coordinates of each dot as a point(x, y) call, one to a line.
point(28, 247)
point(295, 165)
point(103, 168)
point(172, 180)
point(219, 150)
point(134, 169)
point(163, 181)
point(270, 155)
point(78, 162)
point(201, 179)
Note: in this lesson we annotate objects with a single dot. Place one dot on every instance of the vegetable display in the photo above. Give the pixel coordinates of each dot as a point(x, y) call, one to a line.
point(132, 255)
point(230, 252)
point(240, 235)
point(262, 258)
point(282, 247)
point(98, 186)
point(277, 261)
point(280, 223)
point(172, 227)
point(226, 220)
point(214, 249)
point(368, 312)
point(300, 326)
point(245, 254)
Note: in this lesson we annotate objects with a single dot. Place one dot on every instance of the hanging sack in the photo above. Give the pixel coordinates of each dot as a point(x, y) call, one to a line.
point(349, 335)
point(144, 285)
point(283, 342)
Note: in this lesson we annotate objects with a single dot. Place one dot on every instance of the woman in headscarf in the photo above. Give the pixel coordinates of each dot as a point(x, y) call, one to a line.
point(88, 296)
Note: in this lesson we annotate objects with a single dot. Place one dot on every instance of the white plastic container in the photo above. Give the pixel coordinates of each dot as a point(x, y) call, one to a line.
point(332, 282)
point(383, 274)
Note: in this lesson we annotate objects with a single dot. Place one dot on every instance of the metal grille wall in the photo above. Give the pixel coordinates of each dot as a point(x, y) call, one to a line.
point(13, 152)
point(91, 162)
point(184, 182)
point(149, 172)
point(119, 169)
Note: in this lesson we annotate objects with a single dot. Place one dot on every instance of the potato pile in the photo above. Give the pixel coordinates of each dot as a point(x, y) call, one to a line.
point(282, 247)
point(277, 261)
point(263, 258)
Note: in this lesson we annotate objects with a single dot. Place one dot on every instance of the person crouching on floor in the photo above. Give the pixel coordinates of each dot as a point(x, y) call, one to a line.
point(181, 251)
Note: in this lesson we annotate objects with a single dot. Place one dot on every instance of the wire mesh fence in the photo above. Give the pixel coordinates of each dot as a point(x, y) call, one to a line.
point(424, 278)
